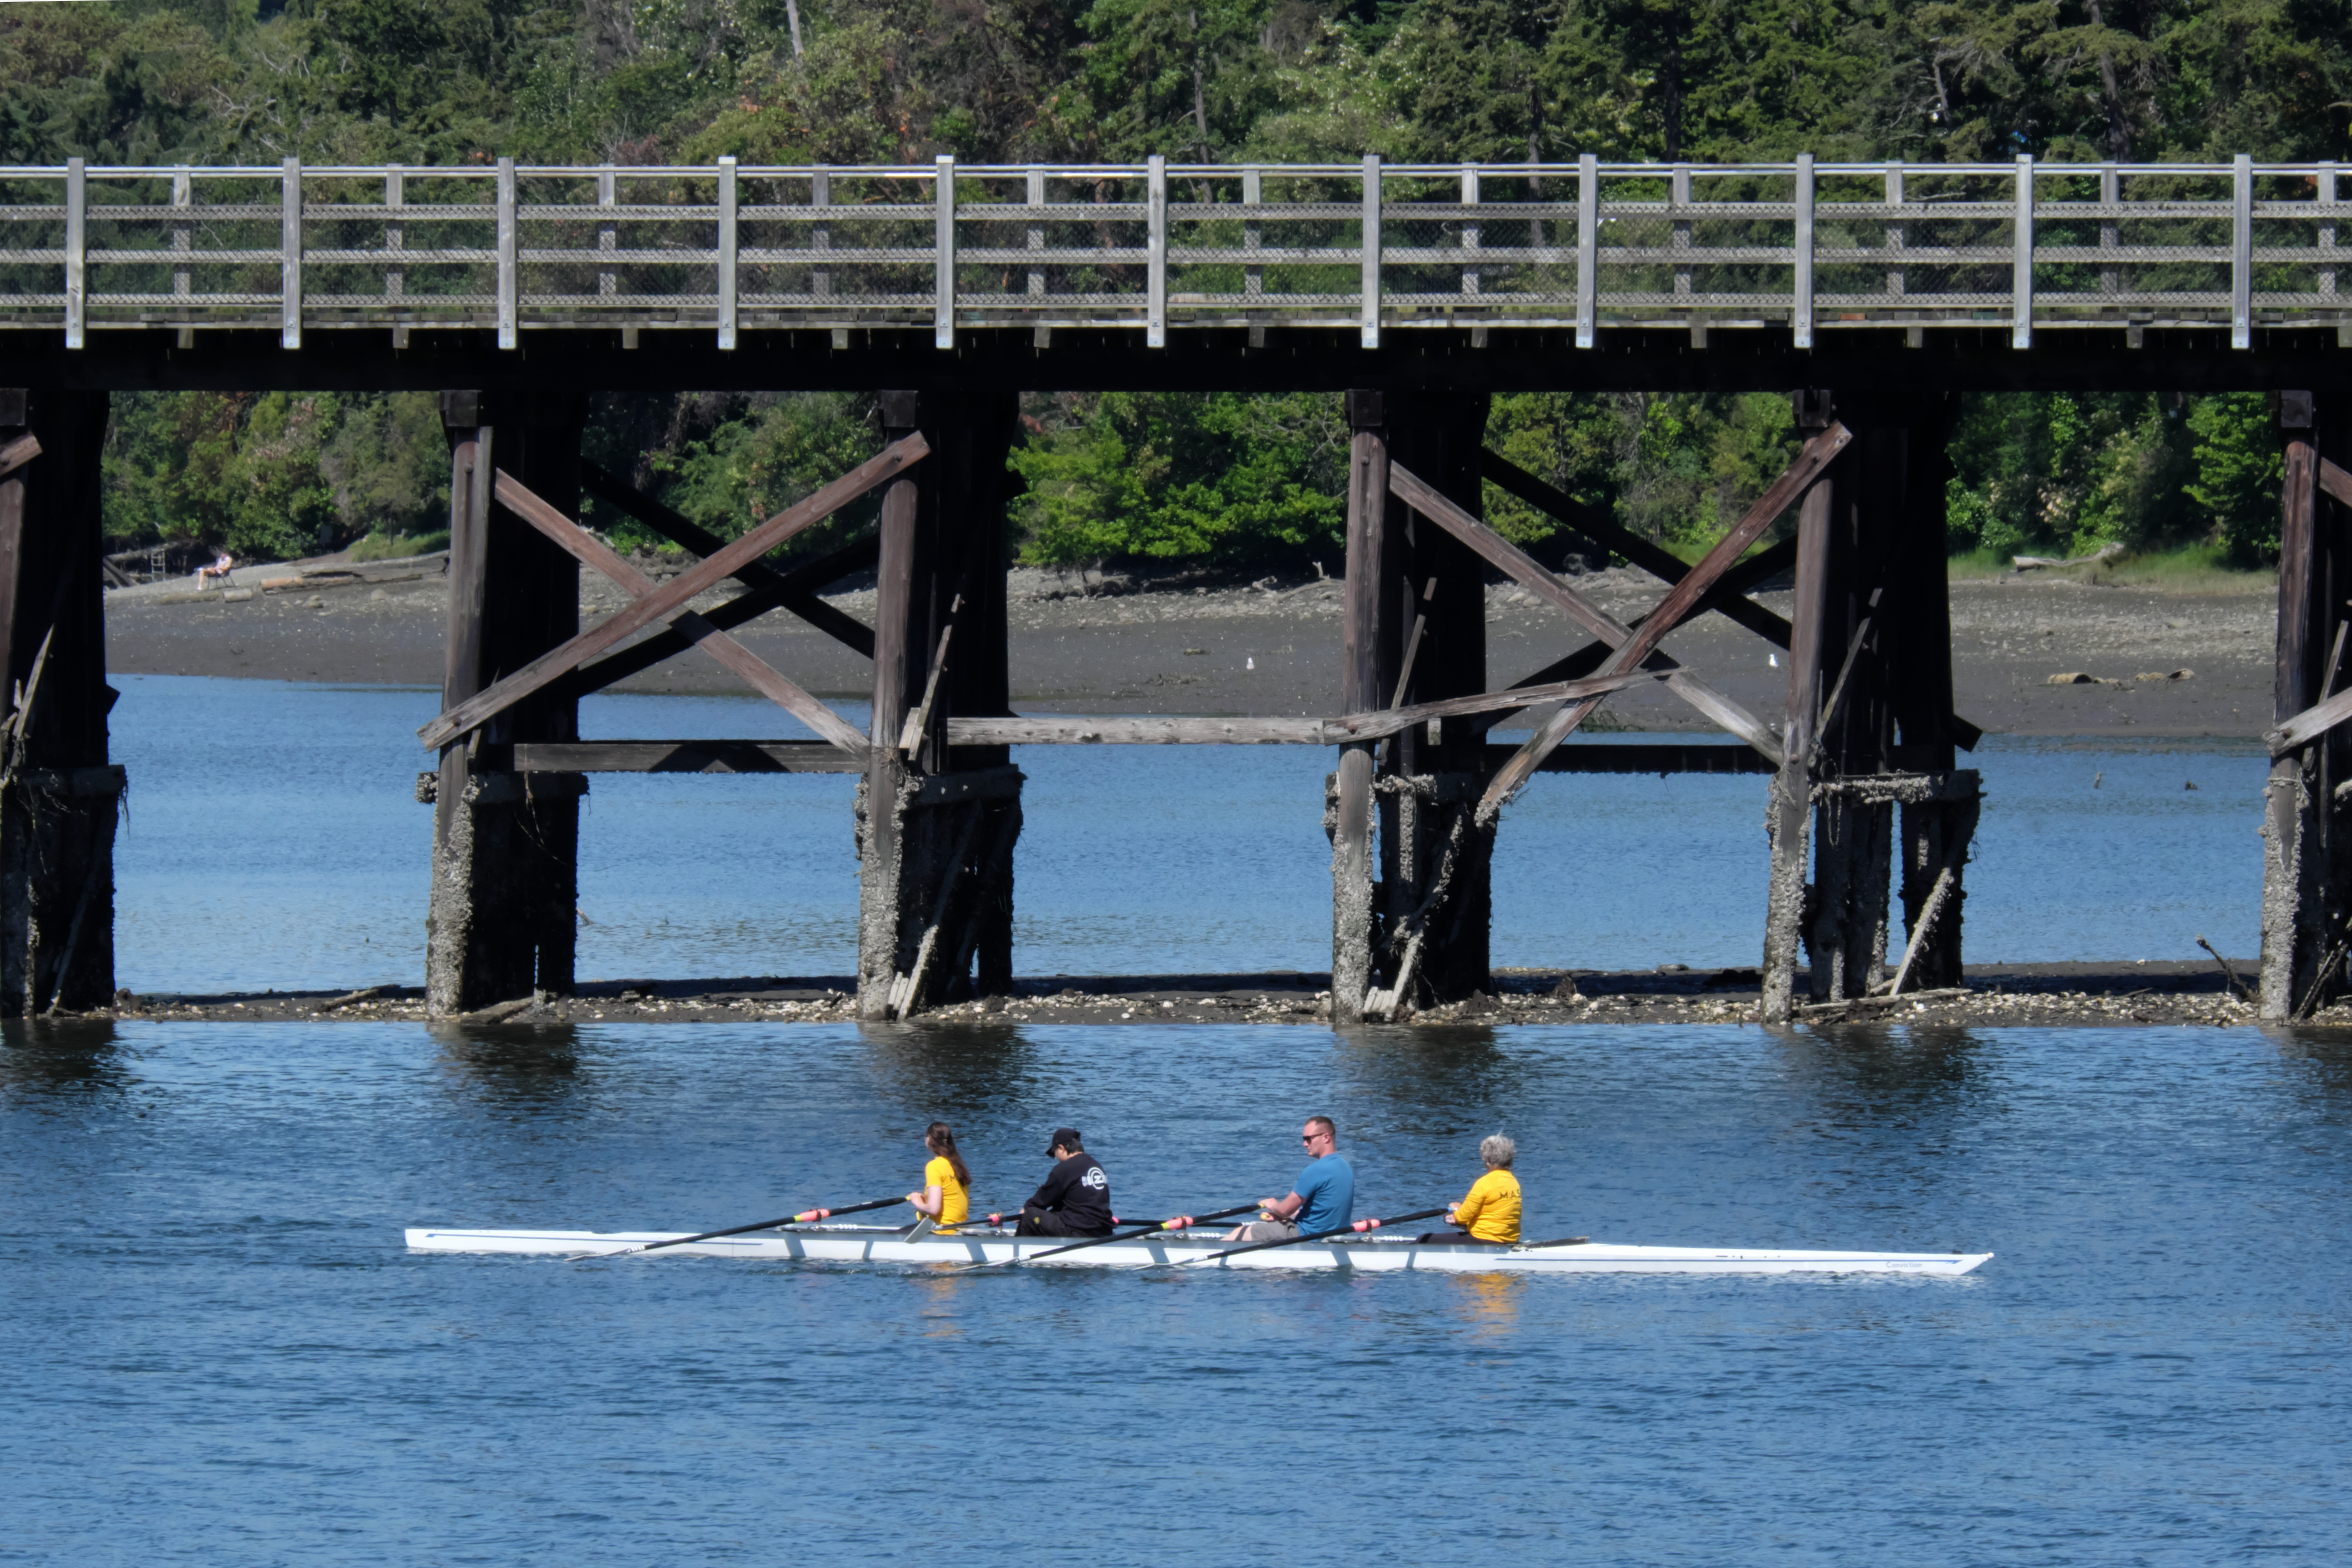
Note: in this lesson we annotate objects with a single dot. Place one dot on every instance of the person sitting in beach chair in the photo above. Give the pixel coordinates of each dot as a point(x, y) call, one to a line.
point(220, 569)
point(1489, 1213)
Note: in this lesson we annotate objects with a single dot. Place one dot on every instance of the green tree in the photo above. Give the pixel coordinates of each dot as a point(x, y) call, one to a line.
point(1221, 477)
point(2239, 470)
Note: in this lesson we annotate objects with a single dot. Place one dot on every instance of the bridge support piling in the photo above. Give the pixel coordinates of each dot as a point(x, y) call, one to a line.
point(59, 794)
point(1366, 598)
point(1868, 720)
point(1415, 632)
point(1436, 863)
point(1789, 811)
point(936, 826)
point(2307, 843)
point(506, 865)
point(1938, 815)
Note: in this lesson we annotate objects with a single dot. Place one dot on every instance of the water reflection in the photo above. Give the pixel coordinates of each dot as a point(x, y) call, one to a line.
point(2325, 1059)
point(1487, 1305)
point(952, 1070)
point(62, 1055)
point(535, 1066)
point(1878, 1071)
point(1442, 1079)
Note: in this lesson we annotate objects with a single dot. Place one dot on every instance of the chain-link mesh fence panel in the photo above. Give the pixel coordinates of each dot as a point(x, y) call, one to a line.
point(32, 248)
point(2297, 230)
point(156, 248)
point(2161, 250)
point(1048, 247)
point(1902, 247)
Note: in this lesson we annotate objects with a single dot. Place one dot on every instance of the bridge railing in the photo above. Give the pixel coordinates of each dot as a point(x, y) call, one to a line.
point(727, 249)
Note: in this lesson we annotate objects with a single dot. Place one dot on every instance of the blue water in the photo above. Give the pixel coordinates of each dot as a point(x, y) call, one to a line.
point(218, 1350)
point(273, 841)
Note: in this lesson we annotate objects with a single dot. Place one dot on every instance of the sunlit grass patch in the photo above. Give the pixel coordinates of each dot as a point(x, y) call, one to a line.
point(2188, 569)
point(398, 546)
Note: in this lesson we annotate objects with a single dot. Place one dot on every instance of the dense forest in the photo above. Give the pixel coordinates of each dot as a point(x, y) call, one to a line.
point(1223, 480)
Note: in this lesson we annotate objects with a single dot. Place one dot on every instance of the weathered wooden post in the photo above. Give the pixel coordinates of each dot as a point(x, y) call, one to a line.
point(59, 794)
point(1870, 725)
point(506, 844)
point(2306, 854)
point(1787, 814)
point(1939, 813)
point(1437, 862)
point(1853, 730)
point(938, 824)
point(1348, 814)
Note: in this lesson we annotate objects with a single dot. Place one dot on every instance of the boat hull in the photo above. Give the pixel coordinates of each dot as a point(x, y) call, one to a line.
point(860, 1244)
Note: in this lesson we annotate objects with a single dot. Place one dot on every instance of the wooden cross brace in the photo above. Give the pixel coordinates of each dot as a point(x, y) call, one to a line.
point(763, 677)
point(667, 604)
point(1635, 646)
point(2329, 711)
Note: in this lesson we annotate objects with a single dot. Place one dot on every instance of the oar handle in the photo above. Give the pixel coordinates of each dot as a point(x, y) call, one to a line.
point(1175, 1223)
point(1357, 1228)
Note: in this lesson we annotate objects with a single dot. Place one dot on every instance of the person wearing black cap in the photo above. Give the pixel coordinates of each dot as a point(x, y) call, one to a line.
point(1075, 1198)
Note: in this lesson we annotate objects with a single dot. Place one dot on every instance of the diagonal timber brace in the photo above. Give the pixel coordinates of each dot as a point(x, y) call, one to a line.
point(609, 487)
point(758, 673)
point(1597, 526)
point(740, 610)
point(1681, 599)
point(1523, 568)
point(665, 603)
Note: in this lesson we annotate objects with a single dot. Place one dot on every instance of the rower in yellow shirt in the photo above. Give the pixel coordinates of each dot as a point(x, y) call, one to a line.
point(947, 1182)
point(1489, 1213)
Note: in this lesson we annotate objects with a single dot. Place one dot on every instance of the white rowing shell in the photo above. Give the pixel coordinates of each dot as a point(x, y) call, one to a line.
point(864, 1244)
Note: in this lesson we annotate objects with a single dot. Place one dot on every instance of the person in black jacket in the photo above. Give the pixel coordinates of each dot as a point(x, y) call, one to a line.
point(1075, 1198)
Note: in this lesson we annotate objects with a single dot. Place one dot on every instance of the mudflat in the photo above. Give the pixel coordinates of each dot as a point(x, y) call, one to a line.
point(2152, 663)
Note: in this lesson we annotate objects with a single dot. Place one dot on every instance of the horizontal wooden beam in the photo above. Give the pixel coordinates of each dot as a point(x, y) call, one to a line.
point(683, 757)
point(1068, 730)
point(1059, 729)
point(1395, 721)
point(611, 489)
point(665, 603)
point(1725, 599)
point(1644, 757)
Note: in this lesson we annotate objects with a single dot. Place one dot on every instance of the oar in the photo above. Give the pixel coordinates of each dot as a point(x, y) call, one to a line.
point(803, 1217)
point(1180, 1222)
point(1361, 1225)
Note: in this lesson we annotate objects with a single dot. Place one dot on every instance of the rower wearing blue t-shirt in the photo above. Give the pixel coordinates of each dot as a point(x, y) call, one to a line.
point(1324, 1199)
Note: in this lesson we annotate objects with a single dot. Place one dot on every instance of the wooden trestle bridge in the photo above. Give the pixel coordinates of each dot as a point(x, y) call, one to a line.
point(1874, 293)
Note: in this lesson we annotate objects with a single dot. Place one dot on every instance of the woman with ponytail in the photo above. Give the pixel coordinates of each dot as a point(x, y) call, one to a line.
point(947, 1181)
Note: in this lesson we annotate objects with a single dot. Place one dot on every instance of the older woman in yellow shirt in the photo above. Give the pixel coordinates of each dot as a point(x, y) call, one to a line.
point(1489, 1213)
point(946, 1194)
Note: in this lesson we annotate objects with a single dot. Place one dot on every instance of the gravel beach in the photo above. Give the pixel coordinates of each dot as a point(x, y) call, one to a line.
point(2157, 664)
